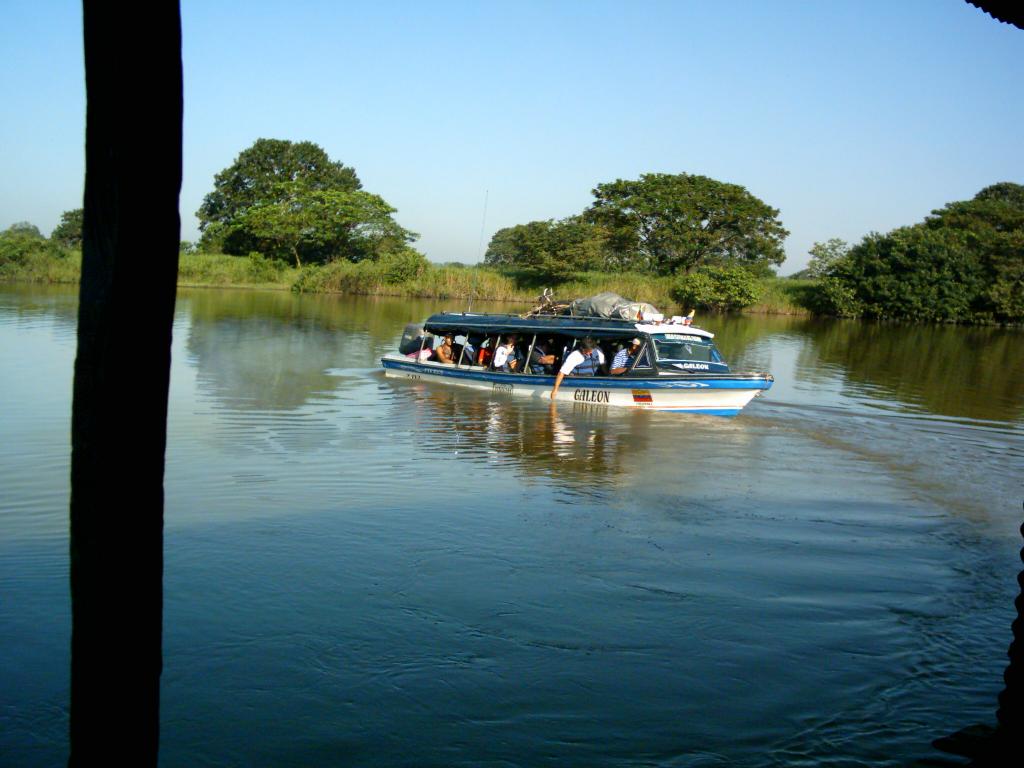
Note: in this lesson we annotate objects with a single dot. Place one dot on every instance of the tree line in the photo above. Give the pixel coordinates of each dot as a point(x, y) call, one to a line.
point(290, 203)
point(964, 263)
point(659, 224)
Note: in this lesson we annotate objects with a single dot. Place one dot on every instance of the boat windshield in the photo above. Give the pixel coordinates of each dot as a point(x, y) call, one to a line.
point(683, 347)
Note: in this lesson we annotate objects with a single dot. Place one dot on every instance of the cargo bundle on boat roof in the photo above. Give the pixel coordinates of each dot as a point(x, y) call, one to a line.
point(606, 304)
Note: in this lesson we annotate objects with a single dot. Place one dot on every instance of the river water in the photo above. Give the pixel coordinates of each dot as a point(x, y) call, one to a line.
point(371, 573)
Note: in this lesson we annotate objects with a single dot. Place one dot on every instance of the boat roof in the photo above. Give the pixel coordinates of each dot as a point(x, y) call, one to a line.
point(598, 327)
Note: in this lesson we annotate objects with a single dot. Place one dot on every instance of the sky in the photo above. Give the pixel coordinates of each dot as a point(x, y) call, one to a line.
point(849, 117)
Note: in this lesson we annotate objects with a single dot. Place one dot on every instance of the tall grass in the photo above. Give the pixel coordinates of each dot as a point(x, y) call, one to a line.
point(442, 282)
point(41, 265)
point(234, 271)
point(381, 278)
point(783, 296)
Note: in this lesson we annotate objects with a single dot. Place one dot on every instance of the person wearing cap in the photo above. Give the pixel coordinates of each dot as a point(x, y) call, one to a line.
point(584, 361)
point(624, 357)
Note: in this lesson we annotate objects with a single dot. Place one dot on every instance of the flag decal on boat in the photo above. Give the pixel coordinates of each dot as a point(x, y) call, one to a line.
point(642, 396)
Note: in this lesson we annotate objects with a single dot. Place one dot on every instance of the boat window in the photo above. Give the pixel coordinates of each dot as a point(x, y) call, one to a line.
point(643, 360)
point(683, 347)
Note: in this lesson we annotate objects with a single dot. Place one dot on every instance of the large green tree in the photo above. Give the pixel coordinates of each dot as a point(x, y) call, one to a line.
point(69, 232)
point(964, 263)
point(304, 224)
point(256, 178)
point(671, 223)
point(24, 229)
point(550, 250)
point(992, 225)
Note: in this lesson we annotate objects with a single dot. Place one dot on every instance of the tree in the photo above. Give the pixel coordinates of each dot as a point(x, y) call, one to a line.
point(826, 257)
point(916, 273)
point(1004, 192)
point(992, 224)
point(721, 288)
point(21, 245)
point(550, 250)
point(310, 224)
point(256, 178)
point(964, 263)
point(69, 232)
point(667, 223)
point(24, 229)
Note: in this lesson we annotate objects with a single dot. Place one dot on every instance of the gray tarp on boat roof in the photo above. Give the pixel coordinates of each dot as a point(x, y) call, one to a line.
point(609, 304)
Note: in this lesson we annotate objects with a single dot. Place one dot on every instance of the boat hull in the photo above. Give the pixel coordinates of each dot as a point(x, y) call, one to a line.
point(719, 395)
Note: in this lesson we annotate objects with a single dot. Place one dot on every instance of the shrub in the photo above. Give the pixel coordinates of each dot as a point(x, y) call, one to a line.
point(831, 296)
point(723, 288)
point(24, 255)
point(264, 270)
point(402, 265)
point(220, 269)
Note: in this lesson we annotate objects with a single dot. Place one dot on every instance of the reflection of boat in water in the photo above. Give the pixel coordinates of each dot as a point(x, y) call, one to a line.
point(676, 367)
point(582, 445)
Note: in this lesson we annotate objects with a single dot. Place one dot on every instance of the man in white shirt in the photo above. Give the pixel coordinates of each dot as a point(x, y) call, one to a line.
point(505, 357)
point(583, 361)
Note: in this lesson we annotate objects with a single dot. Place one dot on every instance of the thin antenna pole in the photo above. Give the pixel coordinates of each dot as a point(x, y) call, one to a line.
point(483, 222)
point(479, 250)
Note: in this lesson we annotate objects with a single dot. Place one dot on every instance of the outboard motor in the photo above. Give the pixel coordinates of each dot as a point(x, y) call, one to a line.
point(412, 338)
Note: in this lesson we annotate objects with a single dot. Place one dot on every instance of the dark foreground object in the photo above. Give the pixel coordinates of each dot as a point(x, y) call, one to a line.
point(129, 267)
point(1003, 745)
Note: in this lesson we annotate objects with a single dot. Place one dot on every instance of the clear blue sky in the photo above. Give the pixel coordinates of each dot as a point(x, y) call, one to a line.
point(849, 117)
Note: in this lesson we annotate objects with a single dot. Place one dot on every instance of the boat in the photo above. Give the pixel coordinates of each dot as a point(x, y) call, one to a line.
point(677, 366)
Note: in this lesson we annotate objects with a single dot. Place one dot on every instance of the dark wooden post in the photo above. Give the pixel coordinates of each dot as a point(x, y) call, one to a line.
point(122, 370)
point(1010, 714)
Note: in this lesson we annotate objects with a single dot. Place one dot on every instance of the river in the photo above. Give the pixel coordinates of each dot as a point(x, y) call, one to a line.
point(376, 573)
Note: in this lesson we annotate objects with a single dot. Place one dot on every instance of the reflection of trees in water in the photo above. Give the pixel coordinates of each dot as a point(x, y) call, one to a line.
point(28, 301)
point(581, 445)
point(263, 361)
point(381, 318)
point(970, 372)
point(274, 349)
point(736, 334)
point(956, 371)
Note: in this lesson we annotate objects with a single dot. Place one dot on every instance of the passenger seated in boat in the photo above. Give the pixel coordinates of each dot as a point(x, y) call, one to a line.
point(444, 353)
point(625, 357)
point(506, 358)
point(542, 362)
point(585, 361)
point(486, 353)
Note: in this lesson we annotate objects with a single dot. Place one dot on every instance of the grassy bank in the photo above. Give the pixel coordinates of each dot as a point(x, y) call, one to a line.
point(782, 296)
point(41, 264)
point(218, 269)
point(778, 295)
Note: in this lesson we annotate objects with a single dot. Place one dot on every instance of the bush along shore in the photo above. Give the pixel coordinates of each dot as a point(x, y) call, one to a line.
point(313, 229)
point(390, 277)
point(41, 261)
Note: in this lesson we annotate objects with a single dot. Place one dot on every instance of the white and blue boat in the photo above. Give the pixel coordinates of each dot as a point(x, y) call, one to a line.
point(676, 368)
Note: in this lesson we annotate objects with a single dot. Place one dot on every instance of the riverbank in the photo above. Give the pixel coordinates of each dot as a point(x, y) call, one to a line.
point(778, 295)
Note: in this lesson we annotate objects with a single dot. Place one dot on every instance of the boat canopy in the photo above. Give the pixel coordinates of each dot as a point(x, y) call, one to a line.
point(595, 327)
